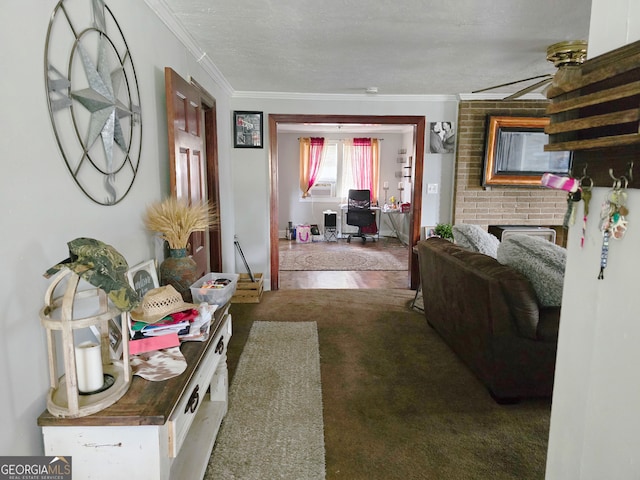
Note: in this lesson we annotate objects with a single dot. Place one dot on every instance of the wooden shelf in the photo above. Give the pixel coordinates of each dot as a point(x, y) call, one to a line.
point(595, 113)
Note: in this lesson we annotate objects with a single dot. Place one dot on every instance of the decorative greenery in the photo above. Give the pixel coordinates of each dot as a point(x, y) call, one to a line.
point(443, 230)
point(176, 220)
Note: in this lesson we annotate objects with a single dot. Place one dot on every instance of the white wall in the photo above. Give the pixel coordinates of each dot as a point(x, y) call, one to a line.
point(595, 417)
point(43, 209)
point(439, 170)
point(251, 166)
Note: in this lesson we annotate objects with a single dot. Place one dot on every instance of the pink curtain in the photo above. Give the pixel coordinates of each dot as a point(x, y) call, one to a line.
point(311, 150)
point(361, 164)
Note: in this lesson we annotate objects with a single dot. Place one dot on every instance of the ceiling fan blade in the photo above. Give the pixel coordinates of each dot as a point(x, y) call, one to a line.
point(530, 88)
point(546, 76)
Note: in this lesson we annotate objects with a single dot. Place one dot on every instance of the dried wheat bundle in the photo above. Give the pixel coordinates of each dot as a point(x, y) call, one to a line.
point(176, 220)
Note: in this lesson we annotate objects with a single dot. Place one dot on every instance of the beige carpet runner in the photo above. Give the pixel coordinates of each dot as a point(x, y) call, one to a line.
point(274, 426)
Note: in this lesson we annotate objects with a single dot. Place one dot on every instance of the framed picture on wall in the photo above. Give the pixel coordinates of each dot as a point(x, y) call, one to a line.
point(442, 137)
point(247, 129)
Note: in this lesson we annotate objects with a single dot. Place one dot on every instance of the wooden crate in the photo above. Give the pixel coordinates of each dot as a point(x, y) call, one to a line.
point(248, 291)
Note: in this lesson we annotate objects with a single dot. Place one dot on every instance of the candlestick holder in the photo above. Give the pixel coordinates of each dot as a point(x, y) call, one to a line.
point(385, 194)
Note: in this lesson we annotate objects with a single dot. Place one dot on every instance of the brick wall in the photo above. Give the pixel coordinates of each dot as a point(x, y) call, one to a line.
point(497, 205)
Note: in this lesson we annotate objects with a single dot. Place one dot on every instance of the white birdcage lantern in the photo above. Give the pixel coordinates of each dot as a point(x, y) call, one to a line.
point(95, 376)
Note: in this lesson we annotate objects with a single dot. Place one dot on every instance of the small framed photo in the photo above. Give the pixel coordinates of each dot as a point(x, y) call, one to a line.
point(114, 334)
point(115, 337)
point(143, 277)
point(247, 129)
point(430, 231)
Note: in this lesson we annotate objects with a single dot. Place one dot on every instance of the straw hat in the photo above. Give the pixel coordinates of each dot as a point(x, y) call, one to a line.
point(159, 303)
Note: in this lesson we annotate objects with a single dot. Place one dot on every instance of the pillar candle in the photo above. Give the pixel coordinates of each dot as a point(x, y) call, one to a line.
point(89, 367)
point(400, 185)
point(385, 185)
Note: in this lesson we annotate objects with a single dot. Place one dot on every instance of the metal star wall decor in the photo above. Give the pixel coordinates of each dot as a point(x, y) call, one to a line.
point(92, 92)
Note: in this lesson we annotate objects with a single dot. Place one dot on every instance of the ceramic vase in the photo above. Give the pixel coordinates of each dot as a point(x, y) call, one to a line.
point(180, 271)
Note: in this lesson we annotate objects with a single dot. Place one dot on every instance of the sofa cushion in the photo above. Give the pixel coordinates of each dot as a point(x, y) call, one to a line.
point(516, 288)
point(541, 261)
point(475, 238)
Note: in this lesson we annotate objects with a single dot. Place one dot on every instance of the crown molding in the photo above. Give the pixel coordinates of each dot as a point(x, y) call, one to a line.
point(499, 96)
point(164, 13)
point(343, 97)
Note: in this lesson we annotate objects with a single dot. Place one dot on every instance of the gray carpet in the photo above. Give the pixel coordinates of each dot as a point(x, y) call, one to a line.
point(342, 256)
point(274, 426)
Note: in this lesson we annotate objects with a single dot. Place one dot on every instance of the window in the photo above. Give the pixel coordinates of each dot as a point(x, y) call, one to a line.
point(329, 166)
point(325, 185)
point(361, 166)
point(341, 166)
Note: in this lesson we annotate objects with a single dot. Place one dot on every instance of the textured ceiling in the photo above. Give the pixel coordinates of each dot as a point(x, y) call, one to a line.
point(405, 47)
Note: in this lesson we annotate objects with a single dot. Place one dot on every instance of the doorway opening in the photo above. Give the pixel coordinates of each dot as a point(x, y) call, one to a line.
point(418, 125)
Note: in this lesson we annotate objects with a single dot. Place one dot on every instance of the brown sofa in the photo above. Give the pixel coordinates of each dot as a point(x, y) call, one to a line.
point(488, 314)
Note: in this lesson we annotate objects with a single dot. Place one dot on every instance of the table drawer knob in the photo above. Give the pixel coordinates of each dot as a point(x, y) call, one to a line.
point(220, 347)
point(194, 399)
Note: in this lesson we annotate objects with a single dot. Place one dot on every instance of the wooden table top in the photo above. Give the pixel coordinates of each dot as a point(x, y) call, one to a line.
point(146, 402)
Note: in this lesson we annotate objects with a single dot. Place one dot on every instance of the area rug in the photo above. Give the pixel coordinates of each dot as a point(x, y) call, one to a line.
point(274, 426)
point(342, 256)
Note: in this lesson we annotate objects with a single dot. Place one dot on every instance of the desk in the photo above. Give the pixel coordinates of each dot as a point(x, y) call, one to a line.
point(392, 215)
point(343, 220)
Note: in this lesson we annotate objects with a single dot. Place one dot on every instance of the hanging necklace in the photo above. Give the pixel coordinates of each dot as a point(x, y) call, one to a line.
point(613, 223)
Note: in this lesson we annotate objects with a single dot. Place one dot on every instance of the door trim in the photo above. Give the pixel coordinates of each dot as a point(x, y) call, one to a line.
point(419, 124)
point(208, 103)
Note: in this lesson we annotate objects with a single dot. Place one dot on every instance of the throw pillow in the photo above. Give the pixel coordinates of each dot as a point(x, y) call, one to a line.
point(541, 261)
point(475, 238)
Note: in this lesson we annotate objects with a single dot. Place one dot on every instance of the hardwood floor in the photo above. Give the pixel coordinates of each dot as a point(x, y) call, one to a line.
point(344, 279)
point(331, 279)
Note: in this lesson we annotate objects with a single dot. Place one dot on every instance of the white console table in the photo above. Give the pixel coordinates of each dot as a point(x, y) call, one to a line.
point(396, 228)
point(157, 430)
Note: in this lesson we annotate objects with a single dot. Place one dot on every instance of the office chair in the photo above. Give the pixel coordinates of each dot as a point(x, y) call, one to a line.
point(359, 214)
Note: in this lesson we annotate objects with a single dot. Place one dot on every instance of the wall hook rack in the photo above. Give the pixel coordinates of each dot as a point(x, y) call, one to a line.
point(584, 171)
point(628, 177)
